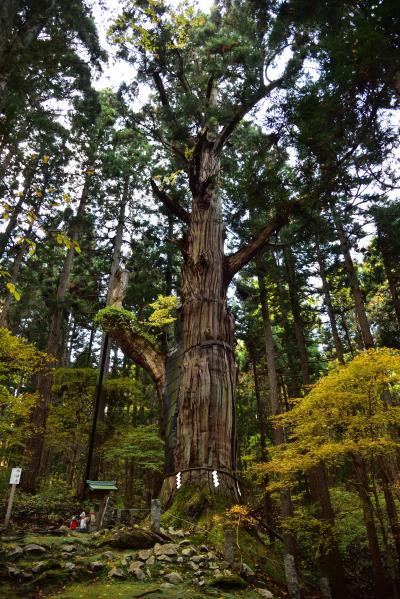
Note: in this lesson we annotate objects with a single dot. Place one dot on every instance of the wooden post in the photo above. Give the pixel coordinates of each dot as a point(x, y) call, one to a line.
point(9, 507)
point(155, 515)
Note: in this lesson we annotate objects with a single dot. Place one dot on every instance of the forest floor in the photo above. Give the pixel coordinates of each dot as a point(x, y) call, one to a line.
point(76, 565)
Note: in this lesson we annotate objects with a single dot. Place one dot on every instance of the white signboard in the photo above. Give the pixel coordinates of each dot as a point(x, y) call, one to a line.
point(15, 476)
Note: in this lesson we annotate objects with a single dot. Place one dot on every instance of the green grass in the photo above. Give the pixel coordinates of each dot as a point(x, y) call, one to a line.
point(132, 590)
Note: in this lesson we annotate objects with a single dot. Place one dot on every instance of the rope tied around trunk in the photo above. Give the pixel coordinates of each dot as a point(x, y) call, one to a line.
point(205, 344)
point(208, 468)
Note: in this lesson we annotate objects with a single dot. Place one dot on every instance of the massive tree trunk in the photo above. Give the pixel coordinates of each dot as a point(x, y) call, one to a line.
point(199, 376)
point(205, 422)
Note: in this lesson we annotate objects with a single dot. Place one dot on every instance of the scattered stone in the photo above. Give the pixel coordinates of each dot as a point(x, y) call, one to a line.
point(213, 566)
point(169, 549)
point(13, 572)
point(134, 566)
point(148, 573)
point(16, 552)
point(166, 585)
point(204, 548)
point(151, 561)
point(26, 576)
point(134, 538)
point(198, 558)
point(188, 551)
point(109, 555)
point(165, 558)
point(39, 567)
point(247, 571)
point(116, 573)
point(194, 566)
point(265, 593)
point(184, 543)
point(140, 575)
point(63, 528)
point(69, 548)
point(145, 554)
point(179, 560)
point(95, 566)
point(174, 578)
point(32, 548)
point(229, 581)
point(211, 556)
point(201, 582)
point(69, 566)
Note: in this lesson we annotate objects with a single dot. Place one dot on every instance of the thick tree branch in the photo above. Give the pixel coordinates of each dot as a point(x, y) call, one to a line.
point(161, 90)
point(171, 205)
point(242, 110)
point(117, 323)
point(246, 253)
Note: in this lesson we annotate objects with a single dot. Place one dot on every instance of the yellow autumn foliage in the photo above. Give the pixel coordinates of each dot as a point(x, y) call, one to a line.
point(350, 411)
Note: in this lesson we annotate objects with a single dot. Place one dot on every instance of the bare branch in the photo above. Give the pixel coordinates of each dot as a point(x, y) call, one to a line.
point(171, 204)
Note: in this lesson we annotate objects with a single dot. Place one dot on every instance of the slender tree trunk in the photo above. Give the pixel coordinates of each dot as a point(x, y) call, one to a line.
point(90, 346)
point(390, 504)
point(261, 419)
point(328, 303)
point(278, 434)
point(16, 267)
point(261, 412)
point(390, 275)
point(330, 562)
point(34, 447)
point(12, 222)
point(298, 323)
point(115, 263)
point(347, 333)
point(368, 511)
point(23, 248)
point(362, 318)
point(293, 382)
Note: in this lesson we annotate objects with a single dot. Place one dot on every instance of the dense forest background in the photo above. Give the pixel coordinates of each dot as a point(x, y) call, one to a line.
point(96, 180)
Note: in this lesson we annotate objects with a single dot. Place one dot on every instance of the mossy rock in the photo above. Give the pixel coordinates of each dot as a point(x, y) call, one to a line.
point(229, 581)
point(136, 538)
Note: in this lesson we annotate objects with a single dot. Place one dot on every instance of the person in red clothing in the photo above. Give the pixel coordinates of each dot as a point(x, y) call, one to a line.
point(74, 523)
